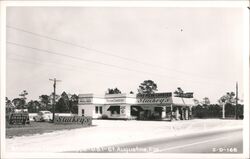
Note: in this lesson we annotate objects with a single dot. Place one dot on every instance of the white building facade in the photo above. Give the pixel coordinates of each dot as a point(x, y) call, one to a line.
point(157, 106)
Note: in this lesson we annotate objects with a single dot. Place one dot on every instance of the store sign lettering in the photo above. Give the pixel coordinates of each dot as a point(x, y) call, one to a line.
point(85, 100)
point(154, 95)
point(19, 118)
point(184, 95)
point(85, 121)
point(153, 100)
point(116, 100)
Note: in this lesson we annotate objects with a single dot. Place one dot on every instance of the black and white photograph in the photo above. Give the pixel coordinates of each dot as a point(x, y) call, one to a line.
point(124, 81)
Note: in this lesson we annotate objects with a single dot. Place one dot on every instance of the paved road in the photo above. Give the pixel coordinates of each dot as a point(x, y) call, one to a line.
point(223, 141)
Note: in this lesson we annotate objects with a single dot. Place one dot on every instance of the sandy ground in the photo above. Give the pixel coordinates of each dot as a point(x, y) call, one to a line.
point(110, 132)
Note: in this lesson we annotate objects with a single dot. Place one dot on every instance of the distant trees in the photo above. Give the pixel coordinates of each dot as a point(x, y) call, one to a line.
point(205, 109)
point(196, 101)
point(19, 103)
point(23, 94)
point(66, 103)
point(240, 111)
point(45, 102)
point(8, 102)
point(211, 111)
point(62, 106)
point(34, 106)
point(206, 101)
point(56, 96)
point(147, 87)
point(113, 91)
point(73, 104)
point(229, 100)
point(215, 111)
point(229, 97)
point(9, 106)
point(179, 91)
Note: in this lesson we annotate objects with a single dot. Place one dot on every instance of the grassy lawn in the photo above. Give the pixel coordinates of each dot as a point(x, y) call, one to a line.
point(38, 128)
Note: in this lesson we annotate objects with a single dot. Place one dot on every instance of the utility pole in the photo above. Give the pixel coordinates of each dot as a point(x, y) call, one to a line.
point(223, 110)
point(236, 104)
point(171, 115)
point(54, 97)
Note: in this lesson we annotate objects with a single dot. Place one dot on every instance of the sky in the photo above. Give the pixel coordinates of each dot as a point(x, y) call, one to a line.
point(91, 49)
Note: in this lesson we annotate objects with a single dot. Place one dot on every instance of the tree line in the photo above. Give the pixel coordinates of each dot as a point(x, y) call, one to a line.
point(215, 111)
point(205, 109)
point(65, 103)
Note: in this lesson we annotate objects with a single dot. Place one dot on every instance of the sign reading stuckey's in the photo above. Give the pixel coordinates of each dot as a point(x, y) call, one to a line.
point(155, 98)
point(85, 121)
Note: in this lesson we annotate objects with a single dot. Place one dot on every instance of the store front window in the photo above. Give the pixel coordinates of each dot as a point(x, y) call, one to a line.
point(114, 110)
point(158, 112)
point(135, 111)
point(100, 110)
point(82, 112)
point(168, 112)
point(96, 110)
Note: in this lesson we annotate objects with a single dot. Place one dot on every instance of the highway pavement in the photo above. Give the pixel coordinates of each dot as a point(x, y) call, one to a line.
point(219, 141)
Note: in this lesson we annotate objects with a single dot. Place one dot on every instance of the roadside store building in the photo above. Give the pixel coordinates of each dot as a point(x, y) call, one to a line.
point(157, 106)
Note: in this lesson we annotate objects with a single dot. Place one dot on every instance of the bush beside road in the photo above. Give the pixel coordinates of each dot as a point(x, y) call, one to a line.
point(38, 128)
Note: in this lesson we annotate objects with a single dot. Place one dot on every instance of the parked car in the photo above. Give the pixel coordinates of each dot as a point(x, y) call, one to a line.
point(43, 116)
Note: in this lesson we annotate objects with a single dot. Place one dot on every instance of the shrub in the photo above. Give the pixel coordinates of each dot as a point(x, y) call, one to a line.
point(241, 116)
point(104, 116)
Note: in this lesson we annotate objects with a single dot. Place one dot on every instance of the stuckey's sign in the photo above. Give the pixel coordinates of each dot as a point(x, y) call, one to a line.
point(184, 95)
point(116, 100)
point(84, 120)
point(153, 101)
point(154, 95)
point(84, 100)
point(154, 98)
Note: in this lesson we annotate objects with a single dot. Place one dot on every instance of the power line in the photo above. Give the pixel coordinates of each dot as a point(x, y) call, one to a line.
point(79, 46)
point(80, 70)
point(86, 60)
point(97, 62)
point(103, 52)
point(66, 66)
point(73, 68)
point(104, 75)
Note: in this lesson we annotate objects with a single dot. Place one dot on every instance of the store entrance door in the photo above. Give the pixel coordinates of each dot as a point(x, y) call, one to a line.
point(136, 111)
point(158, 112)
point(168, 113)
